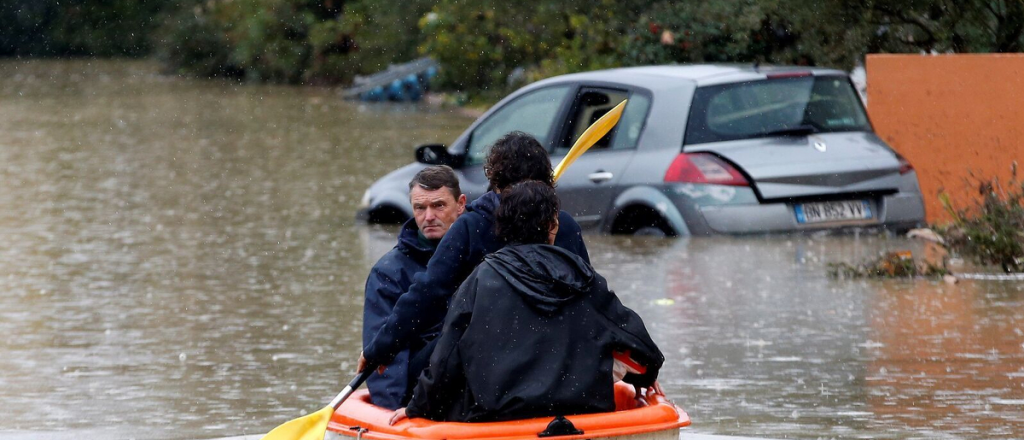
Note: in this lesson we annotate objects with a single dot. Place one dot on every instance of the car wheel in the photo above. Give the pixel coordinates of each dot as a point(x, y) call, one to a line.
point(641, 221)
point(650, 231)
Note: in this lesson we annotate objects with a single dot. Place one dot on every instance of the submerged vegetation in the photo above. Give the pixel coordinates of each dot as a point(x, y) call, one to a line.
point(992, 231)
point(489, 46)
point(888, 265)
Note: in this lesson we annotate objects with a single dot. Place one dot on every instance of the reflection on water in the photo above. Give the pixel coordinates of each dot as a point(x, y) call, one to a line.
point(760, 342)
point(178, 259)
point(949, 359)
point(181, 254)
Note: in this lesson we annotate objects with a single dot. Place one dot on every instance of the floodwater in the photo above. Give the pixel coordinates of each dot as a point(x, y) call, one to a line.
point(179, 259)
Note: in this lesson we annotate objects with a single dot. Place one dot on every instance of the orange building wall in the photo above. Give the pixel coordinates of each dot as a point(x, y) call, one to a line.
point(950, 115)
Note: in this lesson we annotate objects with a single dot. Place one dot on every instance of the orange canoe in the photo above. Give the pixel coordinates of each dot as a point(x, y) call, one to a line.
point(659, 420)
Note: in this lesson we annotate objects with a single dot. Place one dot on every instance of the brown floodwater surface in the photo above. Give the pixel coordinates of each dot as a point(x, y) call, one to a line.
point(179, 259)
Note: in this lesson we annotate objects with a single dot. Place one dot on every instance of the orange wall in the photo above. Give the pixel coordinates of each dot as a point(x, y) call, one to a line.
point(950, 115)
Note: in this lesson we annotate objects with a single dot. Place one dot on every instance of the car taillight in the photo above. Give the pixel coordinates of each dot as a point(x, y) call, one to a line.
point(905, 166)
point(703, 168)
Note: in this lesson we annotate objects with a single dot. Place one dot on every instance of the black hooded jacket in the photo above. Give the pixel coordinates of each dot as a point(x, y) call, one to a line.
point(530, 333)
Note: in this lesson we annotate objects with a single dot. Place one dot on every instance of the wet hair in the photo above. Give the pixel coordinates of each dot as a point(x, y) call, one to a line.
point(435, 177)
point(516, 157)
point(526, 213)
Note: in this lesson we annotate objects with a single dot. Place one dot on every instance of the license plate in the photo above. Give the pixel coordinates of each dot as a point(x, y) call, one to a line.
point(832, 211)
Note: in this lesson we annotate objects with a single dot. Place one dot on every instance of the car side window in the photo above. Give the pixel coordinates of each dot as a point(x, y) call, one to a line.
point(533, 113)
point(591, 104)
point(632, 122)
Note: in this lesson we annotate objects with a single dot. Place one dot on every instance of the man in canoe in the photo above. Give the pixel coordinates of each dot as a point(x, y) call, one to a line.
point(437, 201)
point(514, 158)
point(533, 331)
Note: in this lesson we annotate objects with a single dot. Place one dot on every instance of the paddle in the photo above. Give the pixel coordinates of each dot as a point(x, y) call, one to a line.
point(314, 426)
point(594, 133)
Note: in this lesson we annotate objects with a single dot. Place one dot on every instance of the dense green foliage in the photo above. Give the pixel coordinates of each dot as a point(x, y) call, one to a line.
point(79, 27)
point(318, 41)
point(480, 43)
point(781, 32)
point(489, 46)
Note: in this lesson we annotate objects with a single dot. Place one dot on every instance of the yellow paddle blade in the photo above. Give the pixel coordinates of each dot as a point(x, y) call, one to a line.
point(311, 427)
point(594, 133)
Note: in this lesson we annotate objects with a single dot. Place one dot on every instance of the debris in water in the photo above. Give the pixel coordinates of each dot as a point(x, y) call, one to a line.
point(926, 234)
point(899, 264)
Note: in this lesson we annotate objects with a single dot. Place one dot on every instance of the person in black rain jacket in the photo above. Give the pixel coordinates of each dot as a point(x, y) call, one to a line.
point(514, 158)
point(437, 201)
point(532, 331)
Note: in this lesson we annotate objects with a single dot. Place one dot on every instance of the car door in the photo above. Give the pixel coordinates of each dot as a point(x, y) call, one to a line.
point(588, 187)
point(536, 112)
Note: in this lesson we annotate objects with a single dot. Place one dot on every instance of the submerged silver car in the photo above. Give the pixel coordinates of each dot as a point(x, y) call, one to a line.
point(700, 149)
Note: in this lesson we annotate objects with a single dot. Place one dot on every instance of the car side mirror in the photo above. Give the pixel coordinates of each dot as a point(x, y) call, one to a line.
point(437, 154)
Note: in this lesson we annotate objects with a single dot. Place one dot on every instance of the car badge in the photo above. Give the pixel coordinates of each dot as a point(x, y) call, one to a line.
point(820, 146)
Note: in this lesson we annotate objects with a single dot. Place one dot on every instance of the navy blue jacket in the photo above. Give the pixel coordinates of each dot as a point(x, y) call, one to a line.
point(388, 280)
point(467, 242)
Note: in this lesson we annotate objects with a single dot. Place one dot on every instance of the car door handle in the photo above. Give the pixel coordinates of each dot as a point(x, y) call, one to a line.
point(600, 176)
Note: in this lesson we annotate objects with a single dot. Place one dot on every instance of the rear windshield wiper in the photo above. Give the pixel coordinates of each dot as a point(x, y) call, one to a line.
point(799, 130)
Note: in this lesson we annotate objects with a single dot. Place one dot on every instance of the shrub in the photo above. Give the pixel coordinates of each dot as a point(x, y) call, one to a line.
point(291, 41)
point(79, 27)
point(480, 44)
point(193, 43)
point(288, 41)
point(992, 231)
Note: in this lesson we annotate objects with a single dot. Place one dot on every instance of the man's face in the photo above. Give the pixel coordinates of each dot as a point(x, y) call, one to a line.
point(436, 210)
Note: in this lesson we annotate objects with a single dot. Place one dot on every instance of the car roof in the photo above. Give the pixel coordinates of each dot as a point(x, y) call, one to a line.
point(695, 74)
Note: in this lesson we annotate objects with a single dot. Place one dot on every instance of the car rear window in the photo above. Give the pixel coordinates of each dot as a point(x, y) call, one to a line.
point(760, 108)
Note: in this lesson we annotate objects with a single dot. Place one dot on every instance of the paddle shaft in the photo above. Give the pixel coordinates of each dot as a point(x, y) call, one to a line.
point(359, 379)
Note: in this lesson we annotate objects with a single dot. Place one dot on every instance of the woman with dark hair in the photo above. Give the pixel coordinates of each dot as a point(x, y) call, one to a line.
point(533, 331)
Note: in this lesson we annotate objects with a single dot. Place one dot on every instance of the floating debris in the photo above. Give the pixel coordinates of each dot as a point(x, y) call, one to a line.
point(899, 264)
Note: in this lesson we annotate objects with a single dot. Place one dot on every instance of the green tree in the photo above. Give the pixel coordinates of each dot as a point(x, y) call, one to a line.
point(293, 41)
point(25, 26)
point(948, 25)
point(79, 27)
point(113, 27)
point(830, 32)
point(481, 43)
